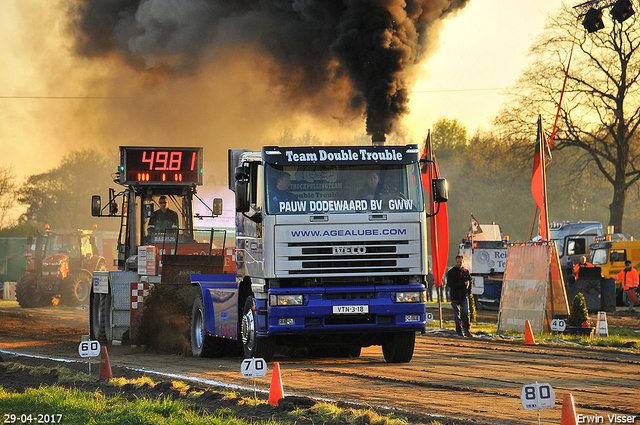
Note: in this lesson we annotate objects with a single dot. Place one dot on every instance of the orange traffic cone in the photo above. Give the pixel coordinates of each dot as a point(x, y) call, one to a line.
point(105, 366)
point(568, 411)
point(528, 335)
point(276, 392)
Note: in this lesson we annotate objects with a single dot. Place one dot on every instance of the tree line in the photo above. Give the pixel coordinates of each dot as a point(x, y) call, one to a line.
point(593, 174)
point(60, 197)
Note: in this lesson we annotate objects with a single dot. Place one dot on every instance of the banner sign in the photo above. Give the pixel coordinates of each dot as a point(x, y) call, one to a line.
point(335, 155)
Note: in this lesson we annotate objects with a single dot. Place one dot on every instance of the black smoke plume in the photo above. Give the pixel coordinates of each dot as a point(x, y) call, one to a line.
point(310, 44)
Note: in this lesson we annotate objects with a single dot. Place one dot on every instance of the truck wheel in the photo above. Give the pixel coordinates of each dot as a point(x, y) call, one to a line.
point(398, 348)
point(105, 319)
point(201, 344)
point(76, 290)
point(99, 316)
point(254, 346)
point(102, 266)
point(27, 292)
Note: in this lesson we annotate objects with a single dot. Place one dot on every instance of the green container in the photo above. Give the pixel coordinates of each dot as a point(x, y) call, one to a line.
point(12, 258)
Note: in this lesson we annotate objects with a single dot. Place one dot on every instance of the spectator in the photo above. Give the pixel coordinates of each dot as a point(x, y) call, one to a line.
point(628, 278)
point(430, 284)
point(459, 281)
point(443, 290)
point(582, 263)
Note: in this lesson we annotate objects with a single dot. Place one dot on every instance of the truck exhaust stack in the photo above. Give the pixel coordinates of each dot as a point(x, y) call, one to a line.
point(378, 140)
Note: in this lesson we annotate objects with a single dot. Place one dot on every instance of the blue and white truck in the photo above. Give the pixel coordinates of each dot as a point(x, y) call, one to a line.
point(331, 266)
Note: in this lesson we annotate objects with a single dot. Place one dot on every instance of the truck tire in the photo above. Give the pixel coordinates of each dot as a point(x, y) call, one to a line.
point(398, 348)
point(102, 265)
point(254, 346)
point(201, 344)
point(99, 317)
point(27, 292)
point(105, 318)
point(76, 289)
point(94, 316)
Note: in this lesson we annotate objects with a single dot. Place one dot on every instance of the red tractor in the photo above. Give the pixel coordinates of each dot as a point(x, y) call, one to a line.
point(59, 268)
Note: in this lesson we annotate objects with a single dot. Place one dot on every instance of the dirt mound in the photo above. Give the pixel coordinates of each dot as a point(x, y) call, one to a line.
point(166, 319)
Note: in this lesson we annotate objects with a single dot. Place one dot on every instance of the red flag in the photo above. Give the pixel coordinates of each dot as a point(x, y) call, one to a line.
point(541, 159)
point(438, 224)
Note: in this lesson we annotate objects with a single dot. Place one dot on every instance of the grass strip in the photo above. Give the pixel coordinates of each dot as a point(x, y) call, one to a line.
point(52, 404)
point(76, 407)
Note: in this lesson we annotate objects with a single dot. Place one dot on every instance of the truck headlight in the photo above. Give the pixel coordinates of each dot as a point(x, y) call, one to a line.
point(409, 297)
point(280, 300)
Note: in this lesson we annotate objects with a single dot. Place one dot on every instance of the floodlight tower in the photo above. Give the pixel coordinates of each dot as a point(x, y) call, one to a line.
point(591, 12)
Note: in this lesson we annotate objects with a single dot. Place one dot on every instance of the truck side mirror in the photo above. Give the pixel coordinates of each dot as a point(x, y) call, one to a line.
point(242, 174)
point(440, 190)
point(217, 206)
point(242, 196)
point(96, 205)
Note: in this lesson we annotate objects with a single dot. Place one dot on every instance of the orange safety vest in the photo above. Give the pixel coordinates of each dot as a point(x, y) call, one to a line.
point(576, 268)
point(628, 279)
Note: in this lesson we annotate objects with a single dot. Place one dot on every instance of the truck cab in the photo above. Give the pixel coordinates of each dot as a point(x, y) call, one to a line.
point(573, 239)
point(330, 247)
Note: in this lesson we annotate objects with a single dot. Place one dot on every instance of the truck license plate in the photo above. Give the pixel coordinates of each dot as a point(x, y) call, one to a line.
point(350, 309)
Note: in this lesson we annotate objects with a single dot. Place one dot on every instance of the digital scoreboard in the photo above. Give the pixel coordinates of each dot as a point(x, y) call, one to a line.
point(160, 165)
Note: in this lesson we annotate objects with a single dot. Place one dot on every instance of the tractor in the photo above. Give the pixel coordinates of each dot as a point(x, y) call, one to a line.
point(59, 268)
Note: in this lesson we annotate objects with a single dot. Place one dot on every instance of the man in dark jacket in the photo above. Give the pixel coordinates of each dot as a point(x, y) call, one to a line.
point(162, 219)
point(459, 282)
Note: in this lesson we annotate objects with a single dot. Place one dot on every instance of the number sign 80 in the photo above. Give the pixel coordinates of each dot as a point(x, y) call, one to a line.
point(537, 396)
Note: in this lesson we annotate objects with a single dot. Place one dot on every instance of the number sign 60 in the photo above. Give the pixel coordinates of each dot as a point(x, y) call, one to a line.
point(89, 349)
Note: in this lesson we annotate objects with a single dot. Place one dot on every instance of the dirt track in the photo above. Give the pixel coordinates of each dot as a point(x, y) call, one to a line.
point(472, 380)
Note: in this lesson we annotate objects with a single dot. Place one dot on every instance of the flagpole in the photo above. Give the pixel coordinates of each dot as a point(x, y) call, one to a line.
point(533, 221)
point(434, 227)
point(543, 162)
point(439, 226)
point(472, 230)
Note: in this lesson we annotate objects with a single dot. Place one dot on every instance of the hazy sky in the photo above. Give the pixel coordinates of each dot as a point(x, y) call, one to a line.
point(484, 47)
point(41, 120)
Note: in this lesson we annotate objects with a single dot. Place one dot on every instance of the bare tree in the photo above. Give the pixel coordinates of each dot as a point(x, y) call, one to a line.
point(600, 112)
point(7, 195)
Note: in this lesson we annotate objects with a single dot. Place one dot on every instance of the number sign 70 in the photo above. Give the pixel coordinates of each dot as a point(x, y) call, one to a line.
point(254, 368)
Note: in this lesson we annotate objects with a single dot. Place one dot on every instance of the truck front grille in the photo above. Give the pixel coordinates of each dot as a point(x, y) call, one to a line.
point(344, 257)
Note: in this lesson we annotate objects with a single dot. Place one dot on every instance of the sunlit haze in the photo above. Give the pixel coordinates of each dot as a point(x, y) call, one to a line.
point(52, 102)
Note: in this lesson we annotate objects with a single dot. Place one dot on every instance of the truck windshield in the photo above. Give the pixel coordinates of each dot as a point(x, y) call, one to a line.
point(343, 189)
point(63, 244)
point(166, 216)
point(559, 246)
point(599, 257)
